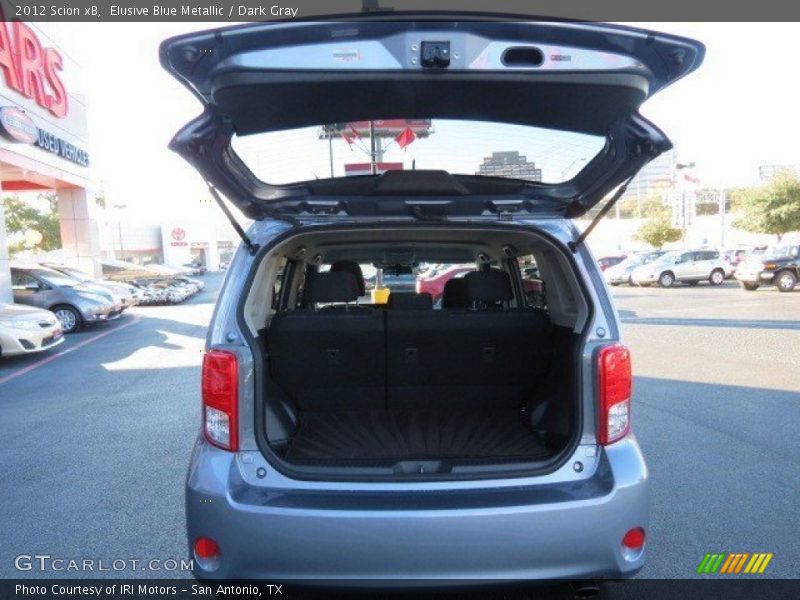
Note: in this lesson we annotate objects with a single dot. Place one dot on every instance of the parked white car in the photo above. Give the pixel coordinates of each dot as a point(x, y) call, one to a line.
point(24, 330)
point(688, 266)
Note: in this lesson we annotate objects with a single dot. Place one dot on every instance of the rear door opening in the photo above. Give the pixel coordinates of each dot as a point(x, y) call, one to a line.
point(483, 381)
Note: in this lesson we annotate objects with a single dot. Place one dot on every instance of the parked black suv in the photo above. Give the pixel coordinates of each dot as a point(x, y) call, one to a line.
point(778, 266)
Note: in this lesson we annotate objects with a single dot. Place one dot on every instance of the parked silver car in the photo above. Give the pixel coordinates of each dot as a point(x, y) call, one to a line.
point(25, 330)
point(73, 303)
point(487, 439)
point(692, 267)
point(123, 292)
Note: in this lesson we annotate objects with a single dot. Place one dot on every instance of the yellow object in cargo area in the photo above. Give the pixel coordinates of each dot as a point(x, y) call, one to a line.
point(380, 295)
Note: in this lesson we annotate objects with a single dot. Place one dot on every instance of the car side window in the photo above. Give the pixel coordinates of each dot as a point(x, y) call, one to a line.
point(532, 284)
point(20, 281)
point(688, 257)
point(278, 283)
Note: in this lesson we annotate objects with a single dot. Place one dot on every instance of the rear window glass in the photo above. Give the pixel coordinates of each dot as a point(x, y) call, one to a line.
point(459, 147)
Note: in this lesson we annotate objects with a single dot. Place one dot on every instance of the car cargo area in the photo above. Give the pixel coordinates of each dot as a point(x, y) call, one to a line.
point(385, 437)
point(480, 376)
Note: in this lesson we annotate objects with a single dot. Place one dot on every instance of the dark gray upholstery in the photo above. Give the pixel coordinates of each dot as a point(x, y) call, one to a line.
point(333, 357)
point(462, 359)
point(410, 300)
point(488, 286)
point(454, 294)
point(347, 358)
point(331, 287)
point(350, 266)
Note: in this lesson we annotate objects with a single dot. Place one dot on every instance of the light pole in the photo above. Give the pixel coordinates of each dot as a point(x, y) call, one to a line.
point(680, 167)
point(120, 207)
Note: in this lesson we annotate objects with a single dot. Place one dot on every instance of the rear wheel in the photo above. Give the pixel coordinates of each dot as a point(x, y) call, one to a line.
point(666, 279)
point(750, 287)
point(69, 317)
point(785, 281)
point(717, 277)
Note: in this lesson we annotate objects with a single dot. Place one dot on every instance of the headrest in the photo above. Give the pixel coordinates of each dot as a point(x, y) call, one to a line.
point(349, 266)
point(410, 300)
point(331, 287)
point(488, 286)
point(454, 294)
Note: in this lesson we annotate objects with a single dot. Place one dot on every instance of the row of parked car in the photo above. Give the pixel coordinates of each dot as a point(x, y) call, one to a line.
point(775, 265)
point(52, 299)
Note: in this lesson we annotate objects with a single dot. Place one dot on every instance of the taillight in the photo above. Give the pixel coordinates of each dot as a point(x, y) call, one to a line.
point(206, 548)
point(634, 539)
point(614, 383)
point(220, 399)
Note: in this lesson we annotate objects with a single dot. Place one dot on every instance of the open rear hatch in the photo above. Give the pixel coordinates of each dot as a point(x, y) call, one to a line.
point(492, 382)
point(575, 77)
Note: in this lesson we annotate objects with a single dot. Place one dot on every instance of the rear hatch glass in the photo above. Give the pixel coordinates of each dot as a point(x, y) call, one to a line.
point(533, 154)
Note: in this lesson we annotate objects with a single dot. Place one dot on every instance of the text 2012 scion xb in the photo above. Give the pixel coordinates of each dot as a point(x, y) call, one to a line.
point(352, 428)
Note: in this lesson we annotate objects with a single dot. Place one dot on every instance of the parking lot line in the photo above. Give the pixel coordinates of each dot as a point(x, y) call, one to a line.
point(53, 357)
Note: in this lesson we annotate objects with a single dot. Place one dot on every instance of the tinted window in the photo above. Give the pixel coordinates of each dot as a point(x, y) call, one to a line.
point(532, 285)
point(20, 280)
point(278, 285)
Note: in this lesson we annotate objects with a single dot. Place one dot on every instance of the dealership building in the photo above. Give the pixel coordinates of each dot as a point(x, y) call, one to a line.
point(44, 140)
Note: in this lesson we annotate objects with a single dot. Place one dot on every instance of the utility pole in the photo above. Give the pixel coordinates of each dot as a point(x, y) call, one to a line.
point(372, 150)
point(329, 129)
point(119, 208)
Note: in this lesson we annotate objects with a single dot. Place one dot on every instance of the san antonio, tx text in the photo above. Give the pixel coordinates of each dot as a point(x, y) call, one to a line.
point(133, 589)
point(212, 10)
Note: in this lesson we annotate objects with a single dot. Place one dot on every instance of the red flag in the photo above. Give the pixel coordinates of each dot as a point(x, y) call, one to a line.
point(405, 137)
point(691, 178)
point(354, 130)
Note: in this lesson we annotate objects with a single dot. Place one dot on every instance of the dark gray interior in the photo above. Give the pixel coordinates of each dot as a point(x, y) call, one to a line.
point(484, 380)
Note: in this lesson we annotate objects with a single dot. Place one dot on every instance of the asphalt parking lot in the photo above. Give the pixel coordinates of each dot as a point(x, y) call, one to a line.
point(97, 433)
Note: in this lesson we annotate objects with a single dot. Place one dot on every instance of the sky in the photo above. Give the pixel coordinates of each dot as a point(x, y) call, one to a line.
point(741, 109)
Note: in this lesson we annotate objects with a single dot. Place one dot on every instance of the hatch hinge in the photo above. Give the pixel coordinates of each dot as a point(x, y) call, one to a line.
point(603, 211)
point(251, 247)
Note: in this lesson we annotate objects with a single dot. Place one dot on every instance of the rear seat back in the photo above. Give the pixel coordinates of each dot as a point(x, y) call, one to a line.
point(467, 358)
point(332, 358)
point(454, 294)
point(350, 358)
point(409, 301)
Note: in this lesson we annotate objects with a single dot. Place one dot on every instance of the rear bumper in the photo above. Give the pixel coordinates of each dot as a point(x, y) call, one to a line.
point(759, 277)
point(618, 278)
point(568, 530)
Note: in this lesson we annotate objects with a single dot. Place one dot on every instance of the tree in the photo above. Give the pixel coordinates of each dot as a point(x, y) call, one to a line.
point(23, 218)
point(657, 230)
point(773, 208)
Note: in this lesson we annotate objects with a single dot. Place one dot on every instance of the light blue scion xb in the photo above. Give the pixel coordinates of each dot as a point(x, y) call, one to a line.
point(354, 431)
